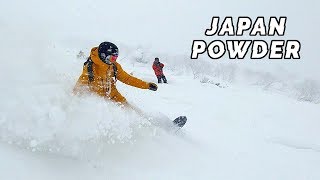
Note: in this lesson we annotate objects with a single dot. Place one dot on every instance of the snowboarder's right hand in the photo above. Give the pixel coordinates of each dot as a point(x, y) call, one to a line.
point(153, 87)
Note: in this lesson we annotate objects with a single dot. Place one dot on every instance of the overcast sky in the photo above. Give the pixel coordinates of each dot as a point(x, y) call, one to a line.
point(166, 25)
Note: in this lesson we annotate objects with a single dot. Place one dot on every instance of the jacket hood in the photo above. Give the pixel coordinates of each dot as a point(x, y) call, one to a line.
point(95, 57)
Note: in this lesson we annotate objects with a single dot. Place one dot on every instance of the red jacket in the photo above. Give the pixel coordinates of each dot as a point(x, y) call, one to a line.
point(157, 67)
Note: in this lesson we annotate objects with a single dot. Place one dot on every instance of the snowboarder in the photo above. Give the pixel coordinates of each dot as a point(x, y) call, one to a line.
point(157, 67)
point(101, 72)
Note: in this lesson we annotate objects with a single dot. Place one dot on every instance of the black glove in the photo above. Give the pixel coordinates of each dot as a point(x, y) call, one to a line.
point(153, 87)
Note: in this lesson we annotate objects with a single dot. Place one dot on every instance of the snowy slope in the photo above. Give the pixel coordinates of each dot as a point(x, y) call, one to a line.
point(233, 133)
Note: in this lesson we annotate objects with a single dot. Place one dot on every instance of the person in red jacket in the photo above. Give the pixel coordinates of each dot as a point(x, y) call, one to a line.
point(157, 67)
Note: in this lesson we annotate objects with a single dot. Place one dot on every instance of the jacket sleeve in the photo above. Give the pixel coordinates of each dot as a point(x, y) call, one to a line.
point(82, 81)
point(130, 80)
point(161, 65)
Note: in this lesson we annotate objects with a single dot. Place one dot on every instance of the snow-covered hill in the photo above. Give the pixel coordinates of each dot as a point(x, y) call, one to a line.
point(233, 132)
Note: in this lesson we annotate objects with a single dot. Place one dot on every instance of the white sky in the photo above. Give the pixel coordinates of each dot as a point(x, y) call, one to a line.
point(167, 26)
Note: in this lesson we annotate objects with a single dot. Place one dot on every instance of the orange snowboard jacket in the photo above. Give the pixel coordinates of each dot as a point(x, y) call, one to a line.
point(104, 80)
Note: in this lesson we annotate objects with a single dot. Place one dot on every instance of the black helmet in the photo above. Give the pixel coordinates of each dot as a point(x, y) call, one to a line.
point(106, 50)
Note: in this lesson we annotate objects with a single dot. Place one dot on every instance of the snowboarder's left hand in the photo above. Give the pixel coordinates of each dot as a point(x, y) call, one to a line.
point(153, 86)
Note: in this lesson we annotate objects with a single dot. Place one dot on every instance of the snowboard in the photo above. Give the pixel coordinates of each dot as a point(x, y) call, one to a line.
point(162, 121)
point(180, 121)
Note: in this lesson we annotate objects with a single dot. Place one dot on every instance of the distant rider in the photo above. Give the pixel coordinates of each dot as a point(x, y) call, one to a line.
point(158, 70)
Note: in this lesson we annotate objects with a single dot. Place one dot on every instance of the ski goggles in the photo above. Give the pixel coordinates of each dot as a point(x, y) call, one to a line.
point(113, 57)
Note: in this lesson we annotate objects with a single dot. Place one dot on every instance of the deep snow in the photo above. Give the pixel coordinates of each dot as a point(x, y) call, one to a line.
point(235, 132)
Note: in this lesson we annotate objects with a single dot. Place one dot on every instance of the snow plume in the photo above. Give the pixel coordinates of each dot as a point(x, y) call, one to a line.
point(58, 122)
point(39, 112)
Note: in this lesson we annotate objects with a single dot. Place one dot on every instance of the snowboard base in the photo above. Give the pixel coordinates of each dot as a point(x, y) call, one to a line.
point(180, 121)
